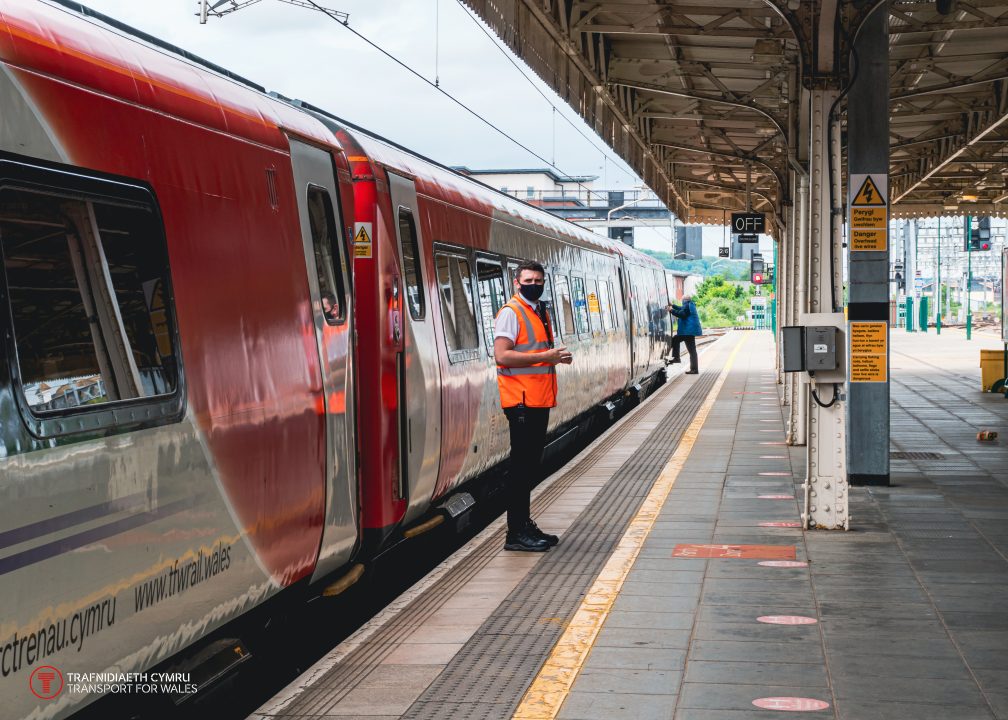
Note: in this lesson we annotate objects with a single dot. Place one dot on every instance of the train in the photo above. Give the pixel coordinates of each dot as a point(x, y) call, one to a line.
point(246, 348)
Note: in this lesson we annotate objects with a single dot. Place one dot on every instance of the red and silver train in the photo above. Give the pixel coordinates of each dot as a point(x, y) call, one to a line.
point(245, 348)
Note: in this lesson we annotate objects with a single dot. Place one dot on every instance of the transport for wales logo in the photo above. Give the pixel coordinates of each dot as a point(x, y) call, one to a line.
point(46, 682)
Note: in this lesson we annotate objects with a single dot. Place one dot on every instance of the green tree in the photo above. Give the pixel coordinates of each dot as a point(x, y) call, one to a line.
point(720, 303)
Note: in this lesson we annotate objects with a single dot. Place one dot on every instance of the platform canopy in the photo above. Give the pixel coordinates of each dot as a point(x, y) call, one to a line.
point(695, 95)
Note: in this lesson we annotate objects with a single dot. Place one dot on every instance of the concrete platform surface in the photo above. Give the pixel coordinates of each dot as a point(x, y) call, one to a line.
point(682, 588)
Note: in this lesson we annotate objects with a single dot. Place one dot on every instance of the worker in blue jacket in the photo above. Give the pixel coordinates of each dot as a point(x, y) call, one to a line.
point(687, 331)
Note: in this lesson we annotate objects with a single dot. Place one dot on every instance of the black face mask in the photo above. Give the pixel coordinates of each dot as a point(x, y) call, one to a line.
point(532, 293)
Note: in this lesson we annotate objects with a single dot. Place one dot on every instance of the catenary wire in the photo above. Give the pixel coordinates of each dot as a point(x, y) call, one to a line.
point(531, 82)
point(448, 95)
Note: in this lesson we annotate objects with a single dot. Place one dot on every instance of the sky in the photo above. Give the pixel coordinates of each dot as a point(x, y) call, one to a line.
point(302, 53)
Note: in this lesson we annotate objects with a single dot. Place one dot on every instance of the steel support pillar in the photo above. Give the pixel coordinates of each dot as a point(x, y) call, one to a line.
point(801, 286)
point(826, 478)
point(790, 316)
point(781, 281)
point(868, 288)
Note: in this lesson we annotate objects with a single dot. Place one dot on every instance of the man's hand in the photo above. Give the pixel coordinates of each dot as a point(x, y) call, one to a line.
point(505, 355)
point(557, 356)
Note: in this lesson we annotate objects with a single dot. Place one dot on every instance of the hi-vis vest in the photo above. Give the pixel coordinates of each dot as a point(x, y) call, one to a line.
point(535, 385)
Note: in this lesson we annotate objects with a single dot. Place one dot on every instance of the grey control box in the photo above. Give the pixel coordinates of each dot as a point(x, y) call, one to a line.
point(793, 348)
point(820, 348)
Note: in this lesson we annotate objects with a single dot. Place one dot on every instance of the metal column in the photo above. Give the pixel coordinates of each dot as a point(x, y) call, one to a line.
point(826, 479)
point(868, 157)
point(798, 421)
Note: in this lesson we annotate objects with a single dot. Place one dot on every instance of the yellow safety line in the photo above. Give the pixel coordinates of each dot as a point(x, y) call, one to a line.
point(551, 686)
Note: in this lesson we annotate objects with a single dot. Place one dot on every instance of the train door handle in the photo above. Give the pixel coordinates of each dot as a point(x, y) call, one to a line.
point(396, 312)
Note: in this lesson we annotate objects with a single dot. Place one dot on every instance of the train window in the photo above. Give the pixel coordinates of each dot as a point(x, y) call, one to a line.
point(547, 300)
point(594, 307)
point(329, 262)
point(411, 264)
point(617, 305)
point(90, 300)
point(580, 305)
point(641, 291)
point(566, 309)
point(457, 306)
point(604, 316)
point(491, 297)
point(664, 320)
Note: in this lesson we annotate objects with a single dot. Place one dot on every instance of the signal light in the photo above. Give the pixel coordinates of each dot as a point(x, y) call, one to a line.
point(756, 269)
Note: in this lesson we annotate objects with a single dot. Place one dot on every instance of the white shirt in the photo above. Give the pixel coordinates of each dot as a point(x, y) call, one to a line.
point(506, 325)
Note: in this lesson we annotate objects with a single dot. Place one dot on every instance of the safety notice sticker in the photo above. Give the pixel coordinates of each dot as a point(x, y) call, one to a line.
point(869, 216)
point(362, 240)
point(869, 358)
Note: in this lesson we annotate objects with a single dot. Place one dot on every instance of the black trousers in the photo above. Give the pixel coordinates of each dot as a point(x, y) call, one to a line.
point(690, 341)
point(528, 438)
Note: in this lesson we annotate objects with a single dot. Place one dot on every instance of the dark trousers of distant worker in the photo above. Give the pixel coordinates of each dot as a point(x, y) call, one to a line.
point(690, 341)
point(528, 438)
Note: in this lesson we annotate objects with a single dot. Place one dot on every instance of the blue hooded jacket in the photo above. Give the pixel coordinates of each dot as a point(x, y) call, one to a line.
point(689, 319)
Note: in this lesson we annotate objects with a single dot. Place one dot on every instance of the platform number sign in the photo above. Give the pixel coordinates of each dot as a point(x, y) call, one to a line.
point(722, 252)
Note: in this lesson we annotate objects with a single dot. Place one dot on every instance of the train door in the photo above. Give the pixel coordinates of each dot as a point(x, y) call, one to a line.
point(627, 306)
point(331, 298)
point(418, 369)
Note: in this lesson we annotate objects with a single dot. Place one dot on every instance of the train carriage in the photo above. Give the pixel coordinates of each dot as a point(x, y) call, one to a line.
point(244, 347)
point(174, 450)
point(434, 265)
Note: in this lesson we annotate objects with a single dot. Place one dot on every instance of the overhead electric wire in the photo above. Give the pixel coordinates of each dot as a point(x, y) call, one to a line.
point(448, 95)
point(532, 82)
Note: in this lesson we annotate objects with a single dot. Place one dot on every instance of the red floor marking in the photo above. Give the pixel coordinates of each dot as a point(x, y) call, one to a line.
point(780, 524)
point(774, 473)
point(784, 563)
point(775, 497)
point(741, 552)
point(790, 704)
point(787, 620)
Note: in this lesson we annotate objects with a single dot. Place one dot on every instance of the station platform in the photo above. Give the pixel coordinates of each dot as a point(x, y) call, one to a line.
point(631, 617)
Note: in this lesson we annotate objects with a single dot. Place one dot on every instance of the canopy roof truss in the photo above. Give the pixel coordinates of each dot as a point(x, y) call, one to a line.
point(696, 97)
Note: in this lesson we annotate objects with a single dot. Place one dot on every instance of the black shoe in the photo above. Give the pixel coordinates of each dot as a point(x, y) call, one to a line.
point(692, 372)
point(535, 532)
point(675, 360)
point(525, 542)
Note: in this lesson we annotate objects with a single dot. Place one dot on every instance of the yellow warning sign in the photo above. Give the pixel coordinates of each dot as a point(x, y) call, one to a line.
point(863, 217)
point(868, 224)
point(867, 239)
point(362, 240)
point(868, 195)
point(869, 360)
point(593, 303)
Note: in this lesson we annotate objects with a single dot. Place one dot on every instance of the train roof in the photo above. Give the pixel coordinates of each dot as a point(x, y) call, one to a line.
point(72, 43)
point(158, 74)
point(396, 156)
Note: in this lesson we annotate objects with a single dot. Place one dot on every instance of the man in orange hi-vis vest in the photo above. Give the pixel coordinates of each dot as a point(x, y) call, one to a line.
point(526, 378)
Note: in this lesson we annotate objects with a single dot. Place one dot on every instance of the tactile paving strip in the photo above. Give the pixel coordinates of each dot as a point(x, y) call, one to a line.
point(489, 675)
point(327, 692)
point(916, 455)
